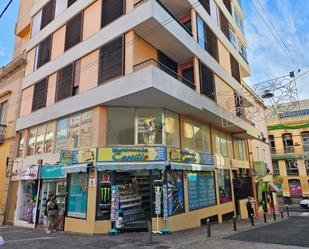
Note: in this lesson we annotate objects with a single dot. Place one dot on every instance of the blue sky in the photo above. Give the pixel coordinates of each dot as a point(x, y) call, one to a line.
point(267, 60)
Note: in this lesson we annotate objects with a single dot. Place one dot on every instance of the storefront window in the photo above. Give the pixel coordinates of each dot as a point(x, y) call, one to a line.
point(120, 126)
point(31, 142)
point(28, 198)
point(175, 203)
point(73, 137)
point(77, 198)
point(21, 144)
point(149, 126)
point(172, 134)
point(86, 129)
point(49, 138)
point(224, 144)
point(40, 139)
point(62, 133)
point(224, 182)
point(240, 149)
point(201, 190)
point(196, 136)
point(104, 196)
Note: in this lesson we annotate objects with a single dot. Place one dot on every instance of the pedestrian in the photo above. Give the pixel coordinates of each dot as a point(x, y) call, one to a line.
point(250, 205)
point(52, 213)
point(46, 215)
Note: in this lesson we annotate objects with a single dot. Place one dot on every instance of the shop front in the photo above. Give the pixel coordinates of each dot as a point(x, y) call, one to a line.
point(27, 195)
point(52, 181)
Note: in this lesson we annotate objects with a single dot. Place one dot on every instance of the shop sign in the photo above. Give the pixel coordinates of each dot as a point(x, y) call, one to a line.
point(26, 173)
point(71, 157)
point(125, 154)
point(186, 156)
point(259, 168)
point(51, 172)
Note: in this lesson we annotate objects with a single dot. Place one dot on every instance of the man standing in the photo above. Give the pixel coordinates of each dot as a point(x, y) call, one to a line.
point(52, 213)
point(250, 205)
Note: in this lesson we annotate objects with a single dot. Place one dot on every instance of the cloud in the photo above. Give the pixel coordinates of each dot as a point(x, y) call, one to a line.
point(266, 57)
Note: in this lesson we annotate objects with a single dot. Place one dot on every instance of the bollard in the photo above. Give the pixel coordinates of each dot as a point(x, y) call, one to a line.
point(208, 228)
point(234, 223)
point(265, 218)
point(287, 210)
point(149, 232)
point(252, 220)
point(274, 214)
point(281, 212)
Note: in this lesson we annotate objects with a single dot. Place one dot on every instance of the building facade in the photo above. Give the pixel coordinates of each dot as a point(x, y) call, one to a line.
point(288, 134)
point(126, 103)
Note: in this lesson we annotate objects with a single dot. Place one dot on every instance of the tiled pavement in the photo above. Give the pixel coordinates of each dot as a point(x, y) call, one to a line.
point(290, 231)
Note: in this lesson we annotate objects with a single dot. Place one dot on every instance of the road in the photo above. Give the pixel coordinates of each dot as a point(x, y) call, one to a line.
point(290, 233)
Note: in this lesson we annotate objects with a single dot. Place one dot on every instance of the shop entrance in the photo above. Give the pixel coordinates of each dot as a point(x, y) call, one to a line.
point(49, 187)
point(295, 188)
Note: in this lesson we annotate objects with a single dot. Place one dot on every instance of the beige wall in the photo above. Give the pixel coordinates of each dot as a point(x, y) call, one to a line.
point(51, 91)
point(58, 43)
point(89, 71)
point(224, 57)
point(225, 95)
point(26, 101)
point(93, 12)
point(24, 19)
point(30, 61)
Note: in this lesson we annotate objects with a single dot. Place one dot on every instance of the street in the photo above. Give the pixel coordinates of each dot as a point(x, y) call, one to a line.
point(281, 234)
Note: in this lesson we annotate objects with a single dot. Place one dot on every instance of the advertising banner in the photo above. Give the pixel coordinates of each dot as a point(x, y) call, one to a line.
point(26, 173)
point(134, 154)
point(71, 157)
point(51, 172)
point(186, 156)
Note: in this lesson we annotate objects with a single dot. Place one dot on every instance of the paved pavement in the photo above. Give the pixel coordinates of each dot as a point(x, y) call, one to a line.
point(289, 231)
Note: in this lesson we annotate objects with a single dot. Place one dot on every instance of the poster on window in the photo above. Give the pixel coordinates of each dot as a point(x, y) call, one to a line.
point(224, 182)
point(77, 199)
point(175, 200)
point(201, 190)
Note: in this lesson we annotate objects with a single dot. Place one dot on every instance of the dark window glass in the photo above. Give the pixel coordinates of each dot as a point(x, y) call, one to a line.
point(205, 4)
point(44, 52)
point(224, 25)
point(39, 95)
point(211, 43)
point(168, 65)
point(111, 10)
point(73, 33)
point(207, 81)
point(228, 5)
point(235, 68)
point(70, 2)
point(111, 60)
point(188, 74)
point(48, 13)
point(64, 83)
point(188, 25)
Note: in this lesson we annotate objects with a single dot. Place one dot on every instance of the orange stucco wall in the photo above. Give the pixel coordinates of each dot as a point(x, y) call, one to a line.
point(51, 91)
point(26, 101)
point(30, 61)
point(93, 12)
point(224, 57)
point(89, 71)
point(58, 43)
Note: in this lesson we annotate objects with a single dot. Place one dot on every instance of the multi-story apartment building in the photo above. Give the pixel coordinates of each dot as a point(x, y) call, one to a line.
point(121, 96)
point(288, 135)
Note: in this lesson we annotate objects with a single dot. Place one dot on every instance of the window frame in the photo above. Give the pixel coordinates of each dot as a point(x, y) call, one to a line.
point(68, 46)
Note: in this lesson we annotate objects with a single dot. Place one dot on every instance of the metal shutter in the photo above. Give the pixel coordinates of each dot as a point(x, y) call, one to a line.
point(44, 52)
point(207, 81)
point(48, 13)
point(39, 95)
point(64, 83)
point(235, 68)
point(111, 10)
point(224, 25)
point(73, 33)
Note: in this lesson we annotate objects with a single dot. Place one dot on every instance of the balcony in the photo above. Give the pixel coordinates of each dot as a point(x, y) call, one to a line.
point(288, 149)
point(164, 68)
point(2, 133)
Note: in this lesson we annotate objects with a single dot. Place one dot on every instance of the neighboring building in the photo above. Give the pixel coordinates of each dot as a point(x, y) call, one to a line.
point(119, 95)
point(289, 139)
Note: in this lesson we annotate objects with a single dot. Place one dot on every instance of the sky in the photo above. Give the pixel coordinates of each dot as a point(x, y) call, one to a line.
point(267, 59)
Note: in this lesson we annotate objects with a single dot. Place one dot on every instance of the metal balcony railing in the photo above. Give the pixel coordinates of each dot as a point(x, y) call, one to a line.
point(2, 133)
point(164, 68)
point(288, 149)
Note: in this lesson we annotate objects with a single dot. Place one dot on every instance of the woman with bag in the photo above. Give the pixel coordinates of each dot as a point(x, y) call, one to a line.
point(52, 213)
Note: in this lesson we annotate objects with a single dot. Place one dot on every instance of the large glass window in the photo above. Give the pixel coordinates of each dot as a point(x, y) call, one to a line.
point(171, 122)
point(175, 202)
point(104, 196)
point(73, 136)
point(224, 144)
point(240, 149)
point(196, 136)
point(77, 197)
point(200, 32)
point(305, 137)
point(224, 182)
point(21, 144)
point(62, 133)
point(201, 190)
point(31, 142)
point(86, 129)
point(39, 145)
point(49, 138)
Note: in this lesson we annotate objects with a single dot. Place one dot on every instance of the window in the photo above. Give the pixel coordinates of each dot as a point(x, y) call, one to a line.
point(86, 124)
point(3, 112)
point(175, 200)
point(36, 23)
point(305, 138)
point(272, 144)
point(149, 126)
point(48, 12)
point(224, 144)
point(168, 65)
point(240, 149)
point(62, 133)
point(201, 190)
point(288, 143)
point(228, 5)
point(43, 52)
point(235, 68)
point(224, 184)
point(238, 20)
point(171, 125)
point(77, 195)
point(49, 137)
point(258, 153)
point(224, 25)
point(307, 166)
point(196, 136)
point(21, 144)
point(31, 142)
point(76, 78)
point(70, 2)
point(291, 167)
point(39, 95)
point(200, 32)
point(73, 33)
point(207, 81)
point(64, 87)
point(205, 4)
point(120, 126)
point(276, 170)
point(242, 50)
point(188, 75)
point(39, 141)
point(103, 196)
point(111, 60)
point(111, 10)
point(233, 37)
point(73, 135)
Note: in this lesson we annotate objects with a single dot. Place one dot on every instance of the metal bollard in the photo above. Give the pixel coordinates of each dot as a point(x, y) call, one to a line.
point(208, 228)
point(149, 232)
point(252, 220)
point(281, 212)
point(265, 218)
point(287, 210)
point(274, 214)
point(234, 223)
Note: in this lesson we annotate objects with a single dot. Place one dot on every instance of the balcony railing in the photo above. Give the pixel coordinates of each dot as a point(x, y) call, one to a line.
point(2, 133)
point(164, 68)
point(288, 149)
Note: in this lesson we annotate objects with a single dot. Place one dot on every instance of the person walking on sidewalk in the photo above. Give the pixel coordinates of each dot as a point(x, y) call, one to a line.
point(52, 213)
point(250, 205)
